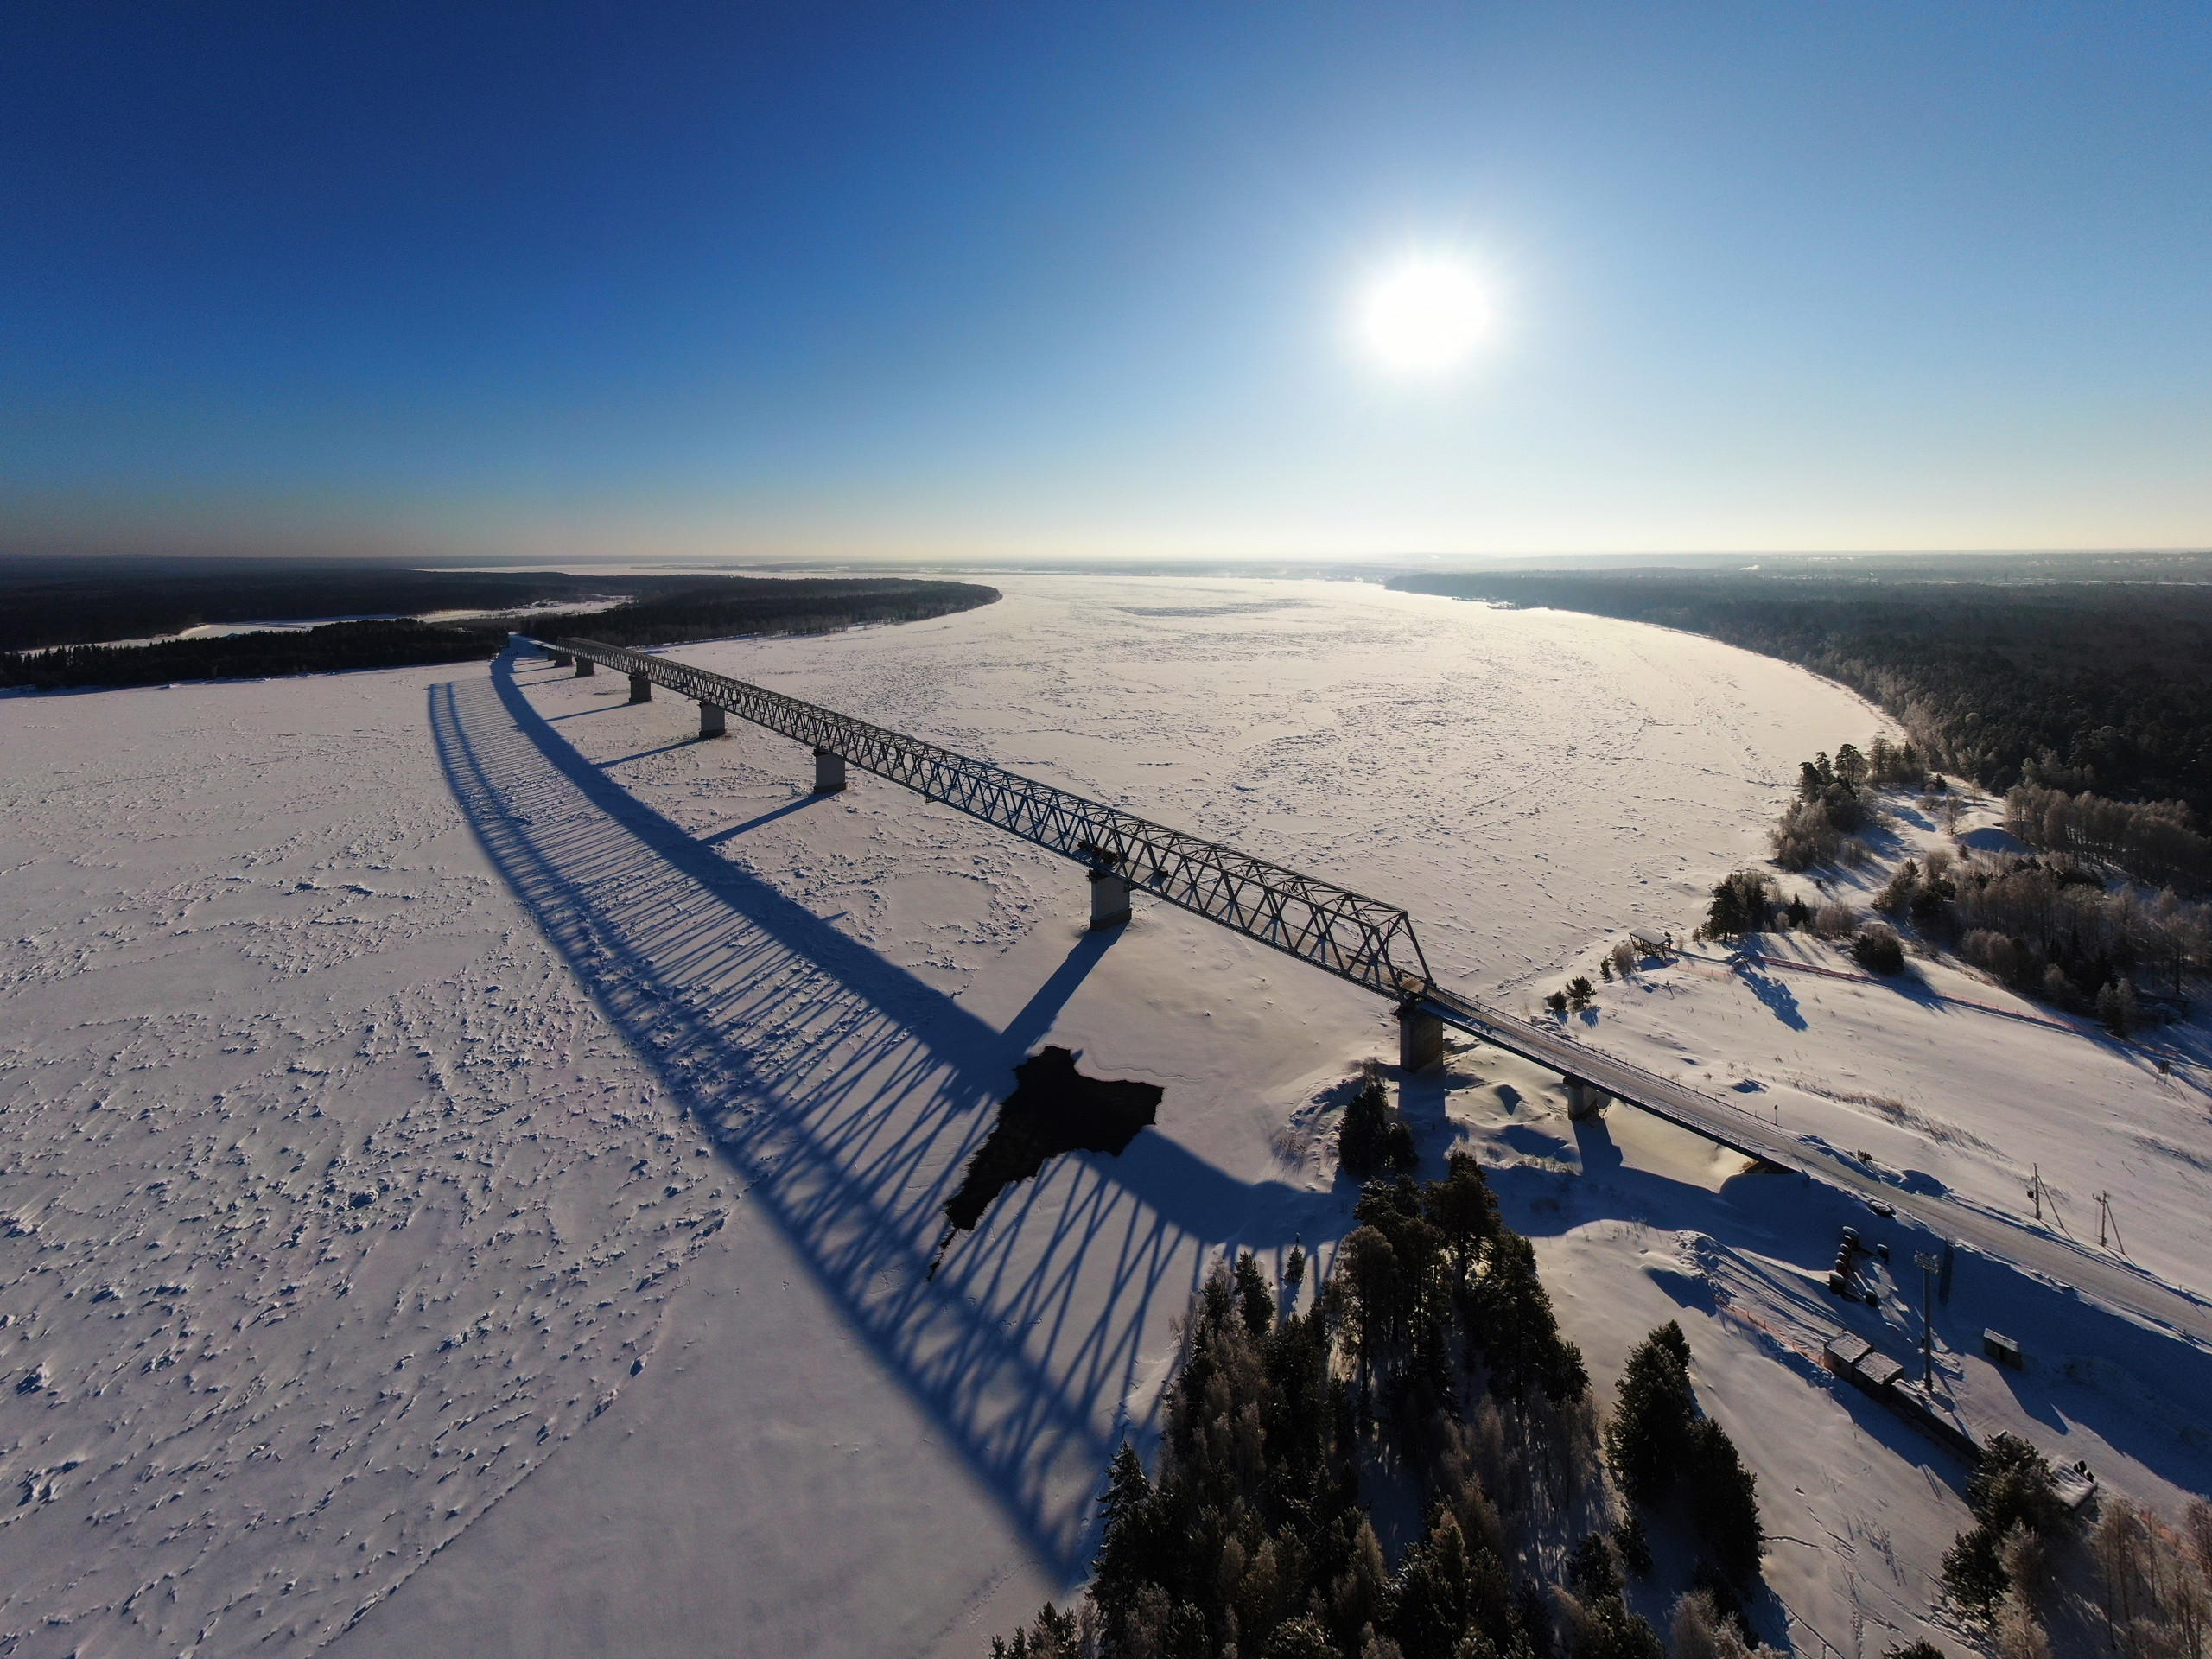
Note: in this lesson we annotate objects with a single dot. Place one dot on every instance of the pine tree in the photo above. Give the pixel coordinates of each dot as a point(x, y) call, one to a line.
point(1463, 1210)
point(1974, 1571)
point(1363, 1139)
point(1053, 1635)
point(1130, 1556)
point(1614, 1632)
point(1725, 1499)
point(1592, 1569)
point(1520, 1337)
point(1300, 1638)
point(1255, 1299)
point(1648, 1440)
point(1433, 1594)
point(2012, 1486)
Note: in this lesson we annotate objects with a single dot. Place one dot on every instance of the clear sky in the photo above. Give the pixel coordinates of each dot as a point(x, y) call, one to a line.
point(1037, 279)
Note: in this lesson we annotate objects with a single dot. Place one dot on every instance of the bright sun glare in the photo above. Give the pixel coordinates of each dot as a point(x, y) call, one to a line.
point(1425, 317)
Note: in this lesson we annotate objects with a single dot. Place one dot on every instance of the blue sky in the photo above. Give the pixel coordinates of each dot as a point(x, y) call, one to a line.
point(1019, 281)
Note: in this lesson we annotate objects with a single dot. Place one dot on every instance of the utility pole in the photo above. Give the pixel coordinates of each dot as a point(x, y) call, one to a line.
point(1929, 1267)
point(2035, 1192)
point(2105, 1215)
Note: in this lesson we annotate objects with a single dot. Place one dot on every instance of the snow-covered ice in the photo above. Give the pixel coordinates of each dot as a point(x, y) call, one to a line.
point(473, 1155)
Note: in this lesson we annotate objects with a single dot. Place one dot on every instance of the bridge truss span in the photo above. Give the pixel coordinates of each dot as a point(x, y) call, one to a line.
point(1346, 933)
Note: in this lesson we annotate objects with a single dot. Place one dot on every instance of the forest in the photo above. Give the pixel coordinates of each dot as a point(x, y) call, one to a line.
point(2073, 674)
point(91, 599)
point(700, 608)
point(1429, 1362)
point(336, 647)
point(740, 604)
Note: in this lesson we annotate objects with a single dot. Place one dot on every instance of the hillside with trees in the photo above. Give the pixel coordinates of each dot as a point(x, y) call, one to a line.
point(2095, 919)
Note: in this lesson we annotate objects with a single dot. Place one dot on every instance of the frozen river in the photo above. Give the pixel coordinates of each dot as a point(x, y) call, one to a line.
point(474, 1155)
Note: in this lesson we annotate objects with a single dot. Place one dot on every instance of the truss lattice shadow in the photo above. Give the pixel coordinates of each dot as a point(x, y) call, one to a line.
point(849, 1094)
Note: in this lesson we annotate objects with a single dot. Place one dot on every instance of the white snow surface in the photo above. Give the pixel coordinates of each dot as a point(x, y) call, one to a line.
point(471, 1155)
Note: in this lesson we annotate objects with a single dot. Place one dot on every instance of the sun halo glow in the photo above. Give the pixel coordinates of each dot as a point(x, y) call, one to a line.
point(1425, 317)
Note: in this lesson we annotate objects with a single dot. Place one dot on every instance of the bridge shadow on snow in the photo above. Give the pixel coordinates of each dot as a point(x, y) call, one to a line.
point(849, 1095)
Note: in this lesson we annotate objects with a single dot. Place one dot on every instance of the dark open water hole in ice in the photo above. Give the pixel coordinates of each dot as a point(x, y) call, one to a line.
point(1054, 1108)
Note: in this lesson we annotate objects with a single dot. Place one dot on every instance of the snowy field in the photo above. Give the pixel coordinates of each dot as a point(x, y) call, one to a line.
point(472, 1156)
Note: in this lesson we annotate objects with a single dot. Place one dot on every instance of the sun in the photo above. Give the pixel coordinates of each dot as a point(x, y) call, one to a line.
point(1425, 317)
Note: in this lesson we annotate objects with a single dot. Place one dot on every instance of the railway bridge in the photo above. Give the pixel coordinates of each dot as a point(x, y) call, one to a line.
point(1356, 937)
point(1364, 940)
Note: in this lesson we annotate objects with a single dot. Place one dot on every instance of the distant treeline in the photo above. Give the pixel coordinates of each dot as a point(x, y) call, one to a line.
point(56, 601)
point(765, 605)
point(332, 648)
point(2067, 684)
point(703, 610)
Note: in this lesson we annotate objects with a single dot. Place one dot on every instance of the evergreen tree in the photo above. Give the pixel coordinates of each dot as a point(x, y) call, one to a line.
point(1973, 1570)
point(1520, 1337)
point(1371, 1277)
point(1053, 1635)
point(1740, 905)
point(1635, 1546)
point(1648, 1442)
point(2014, 1486)
point(1464, 1211)
point(1304, 1637)
point(1254, 1297)
point(1725, 1500)
point(1131, 1555)
point(1592, 1569)
point(1613, 1632)
point(1372, 1139)
point(1433, 1594)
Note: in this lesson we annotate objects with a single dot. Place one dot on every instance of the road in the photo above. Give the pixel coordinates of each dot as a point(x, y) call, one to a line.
point(2108, 1280)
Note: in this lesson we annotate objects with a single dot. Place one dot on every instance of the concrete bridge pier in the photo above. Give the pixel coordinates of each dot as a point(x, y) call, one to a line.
point(829, 771)
point(641, 689)
point(1110, 899)
point(586, 668)
point(561, 658)
point(1421, 1038)
point(710, 721)
point(1585, 1099)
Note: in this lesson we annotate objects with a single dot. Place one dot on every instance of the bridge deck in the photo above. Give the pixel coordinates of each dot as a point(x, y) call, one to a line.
point(1706, 1114)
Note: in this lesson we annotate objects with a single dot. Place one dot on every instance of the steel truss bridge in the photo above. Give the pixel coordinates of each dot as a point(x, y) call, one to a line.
point(1345, 933)
point(1372, 945)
